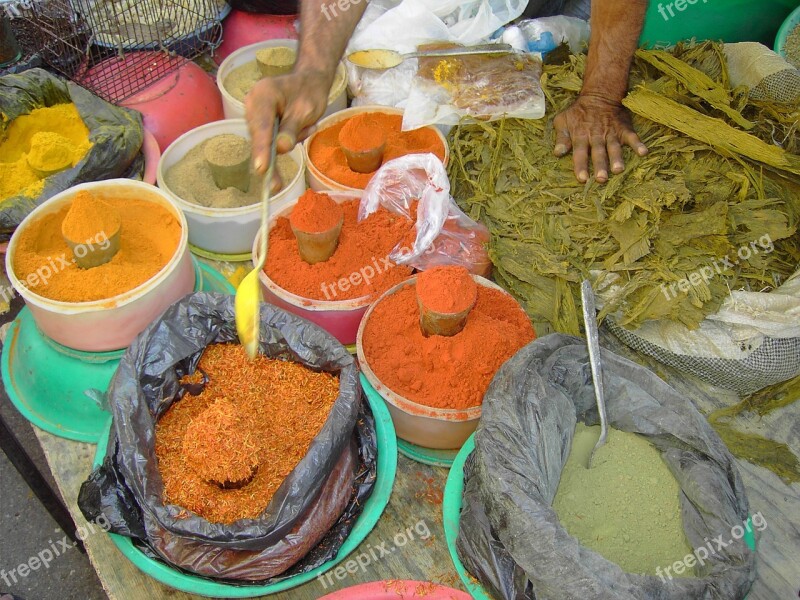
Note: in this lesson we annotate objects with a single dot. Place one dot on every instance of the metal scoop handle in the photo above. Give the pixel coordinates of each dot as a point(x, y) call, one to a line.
point(593, 341)
point(482, 49)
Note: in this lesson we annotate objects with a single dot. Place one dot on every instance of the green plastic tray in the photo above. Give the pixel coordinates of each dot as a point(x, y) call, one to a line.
point(428, 456)
point(373, 509)
point(47, 381)
point(451, 514)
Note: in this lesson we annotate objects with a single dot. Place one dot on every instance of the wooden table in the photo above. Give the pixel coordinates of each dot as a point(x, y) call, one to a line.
point(416, 499)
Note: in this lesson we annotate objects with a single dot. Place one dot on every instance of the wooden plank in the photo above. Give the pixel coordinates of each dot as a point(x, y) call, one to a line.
point(409, 534)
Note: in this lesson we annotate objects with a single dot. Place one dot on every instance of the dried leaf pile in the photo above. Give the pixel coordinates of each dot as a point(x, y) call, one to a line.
point(261, 413)
point(722, 174)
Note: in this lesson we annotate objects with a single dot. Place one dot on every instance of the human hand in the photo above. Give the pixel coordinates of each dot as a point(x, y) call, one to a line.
point(600, 126)
point(299, 99)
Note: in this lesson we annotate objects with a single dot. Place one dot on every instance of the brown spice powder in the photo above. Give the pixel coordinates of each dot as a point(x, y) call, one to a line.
point(285, 405)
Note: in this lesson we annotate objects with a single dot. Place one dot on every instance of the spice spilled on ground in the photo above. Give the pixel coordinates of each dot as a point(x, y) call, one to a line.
point(626, 507)
point(449, 372)
point(250, 425)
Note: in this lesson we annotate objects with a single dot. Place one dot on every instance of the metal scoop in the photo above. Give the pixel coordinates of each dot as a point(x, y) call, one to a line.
point(387, 59)
point(248, 295)
point(593, 341)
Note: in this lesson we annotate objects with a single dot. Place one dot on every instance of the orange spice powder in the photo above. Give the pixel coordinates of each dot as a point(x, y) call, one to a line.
point(438, 371)
point(315, 212)
point(359, 267)
point(326, 153)
point(89, 218)
point(362, 133)
point(446, 290)
point(284, 406)
point(149, 238)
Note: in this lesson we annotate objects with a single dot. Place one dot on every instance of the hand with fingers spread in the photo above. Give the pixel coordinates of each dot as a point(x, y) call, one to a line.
point(597, 128)
point(299, 99)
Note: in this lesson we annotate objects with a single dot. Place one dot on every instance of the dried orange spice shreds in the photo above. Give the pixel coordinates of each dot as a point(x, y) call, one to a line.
point(269, 409)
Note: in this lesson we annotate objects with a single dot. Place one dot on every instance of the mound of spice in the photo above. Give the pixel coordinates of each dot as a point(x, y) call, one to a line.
point(16, 174)
point(325, 150)
point(315, 213)
point(358, 268)
point(626, 507)
point(241, 79)
point(443, 372)
point(191, 179)
point(90, 219)
point(217, 456)
point(362, 133)
point(149, 237)
point(278, 407)
point(446, 290)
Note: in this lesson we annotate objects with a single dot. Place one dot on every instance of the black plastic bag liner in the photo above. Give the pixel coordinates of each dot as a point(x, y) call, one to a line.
point(511, 539)
point(116, 134)
point(127, 487)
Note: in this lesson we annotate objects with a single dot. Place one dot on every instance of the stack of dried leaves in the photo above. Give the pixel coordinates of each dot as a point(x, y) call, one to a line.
point(249, 426)
point(723, 172)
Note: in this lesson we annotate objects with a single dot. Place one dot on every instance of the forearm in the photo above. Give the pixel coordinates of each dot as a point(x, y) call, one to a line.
point(616, 27)
point(325, 29)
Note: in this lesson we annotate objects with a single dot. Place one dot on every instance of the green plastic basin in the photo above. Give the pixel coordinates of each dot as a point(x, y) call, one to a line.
point(373, 509)
point(451, 513)
point(792, 21)
point(47, 381)
point(722, 20)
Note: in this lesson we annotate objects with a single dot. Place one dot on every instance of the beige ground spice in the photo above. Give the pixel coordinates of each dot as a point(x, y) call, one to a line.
point(190, 178)
point(239, 81)
point(626, 506)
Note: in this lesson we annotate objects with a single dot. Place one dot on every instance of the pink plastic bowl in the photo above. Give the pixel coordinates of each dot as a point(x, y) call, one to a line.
point(242, 28)
point(152, 154)
point(340, 318)
point(112, 323)
point(171, 105)
point(397, 590)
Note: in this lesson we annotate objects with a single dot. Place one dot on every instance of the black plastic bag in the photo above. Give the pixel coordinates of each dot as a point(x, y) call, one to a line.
point(127, 488)
point(511, 539)
point(116, 134)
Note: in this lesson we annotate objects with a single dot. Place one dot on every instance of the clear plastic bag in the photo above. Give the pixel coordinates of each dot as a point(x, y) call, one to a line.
point(444, 234)
point(488, 88)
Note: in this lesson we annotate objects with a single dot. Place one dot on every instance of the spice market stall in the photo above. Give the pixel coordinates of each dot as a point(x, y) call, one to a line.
point(408, 293)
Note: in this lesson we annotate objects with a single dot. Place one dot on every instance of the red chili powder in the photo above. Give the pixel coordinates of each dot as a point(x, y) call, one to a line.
point(446, 290)
point(359, 267)
point(327, 155)
point(362, 133)
point(438, 371)
point(315, 213)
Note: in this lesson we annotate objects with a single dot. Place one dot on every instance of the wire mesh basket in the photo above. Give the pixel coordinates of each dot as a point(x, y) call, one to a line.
point(116, 48)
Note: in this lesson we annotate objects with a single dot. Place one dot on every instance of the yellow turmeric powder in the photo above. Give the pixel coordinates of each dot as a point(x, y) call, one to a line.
point(89, 218)
point(50, 152)
point(149, 237)
point(16, 175)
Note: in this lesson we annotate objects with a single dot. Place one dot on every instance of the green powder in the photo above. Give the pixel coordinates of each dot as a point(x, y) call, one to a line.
point(626, 506)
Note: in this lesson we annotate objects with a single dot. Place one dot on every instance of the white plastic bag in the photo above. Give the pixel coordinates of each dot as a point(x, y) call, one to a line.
point(444, 234)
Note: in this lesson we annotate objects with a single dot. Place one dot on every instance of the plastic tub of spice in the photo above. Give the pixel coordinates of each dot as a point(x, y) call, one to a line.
point(327, 163)
point(184, 175)
point(105, 307)
point(240, 71)
point(331, 293)
point(434, 385)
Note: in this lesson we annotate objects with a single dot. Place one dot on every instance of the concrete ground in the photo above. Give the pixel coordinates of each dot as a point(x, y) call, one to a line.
point(27, 529)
